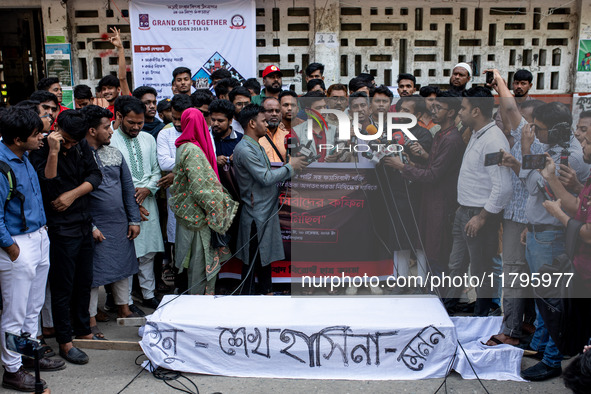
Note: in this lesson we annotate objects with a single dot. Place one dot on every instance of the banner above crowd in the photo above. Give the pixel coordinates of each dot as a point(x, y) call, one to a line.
point(203, 36)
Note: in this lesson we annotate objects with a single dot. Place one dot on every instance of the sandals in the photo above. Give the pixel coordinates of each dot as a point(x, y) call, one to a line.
point(494, 339)
point(47, 350)
point(97, 335)
point(497, 341)
point(168, 275)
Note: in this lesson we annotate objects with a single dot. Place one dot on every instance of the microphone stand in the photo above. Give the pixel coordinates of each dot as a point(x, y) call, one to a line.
point(38, 383)
point(38, 355)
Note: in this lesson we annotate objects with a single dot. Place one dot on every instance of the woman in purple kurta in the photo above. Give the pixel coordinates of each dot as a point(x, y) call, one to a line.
point(438, 179)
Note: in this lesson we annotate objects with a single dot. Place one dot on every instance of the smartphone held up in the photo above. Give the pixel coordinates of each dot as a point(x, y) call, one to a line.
point(533, 162)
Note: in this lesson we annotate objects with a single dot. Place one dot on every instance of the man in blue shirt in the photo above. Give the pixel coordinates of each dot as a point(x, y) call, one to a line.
point(225, 137)
point(24, 258)
point(546, 239)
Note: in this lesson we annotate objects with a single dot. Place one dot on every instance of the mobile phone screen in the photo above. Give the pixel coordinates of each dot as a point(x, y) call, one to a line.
point(493, 159)
point(533, 162)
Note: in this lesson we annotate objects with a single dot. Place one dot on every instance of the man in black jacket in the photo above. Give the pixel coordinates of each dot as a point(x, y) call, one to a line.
point(68, 173)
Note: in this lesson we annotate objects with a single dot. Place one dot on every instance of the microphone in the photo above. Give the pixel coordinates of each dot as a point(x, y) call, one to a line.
point(564, 157)
point(398, 137)
point(308, 153)
point(545, 189)
point(292, 144)
point(371, 129)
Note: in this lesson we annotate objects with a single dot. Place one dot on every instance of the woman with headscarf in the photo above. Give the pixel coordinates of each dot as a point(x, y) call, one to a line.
point(200, 205)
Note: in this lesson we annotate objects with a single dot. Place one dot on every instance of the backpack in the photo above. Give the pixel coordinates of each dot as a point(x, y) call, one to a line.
point(12, 192)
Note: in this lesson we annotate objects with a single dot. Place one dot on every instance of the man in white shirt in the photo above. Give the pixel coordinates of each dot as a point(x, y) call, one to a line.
point(483, 192)
point(139, 151)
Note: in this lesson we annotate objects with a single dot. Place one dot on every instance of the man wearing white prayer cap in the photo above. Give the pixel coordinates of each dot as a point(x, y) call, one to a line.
point(460, 77)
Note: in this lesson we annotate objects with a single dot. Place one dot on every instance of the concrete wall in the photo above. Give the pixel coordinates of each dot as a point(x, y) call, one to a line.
point(423, 37)
point(582, 81)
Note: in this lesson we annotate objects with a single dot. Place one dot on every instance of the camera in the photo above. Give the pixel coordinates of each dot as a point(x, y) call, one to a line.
point(559, 134)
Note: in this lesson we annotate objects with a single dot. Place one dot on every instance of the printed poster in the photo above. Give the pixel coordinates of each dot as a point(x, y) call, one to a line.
point(584, 59)
point(58, 58)
point(201, 35)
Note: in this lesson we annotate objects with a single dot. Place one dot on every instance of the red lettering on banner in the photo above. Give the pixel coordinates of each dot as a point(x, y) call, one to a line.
point(306, 203)
point(305, 218)
point(151, 48)
point(345, 201)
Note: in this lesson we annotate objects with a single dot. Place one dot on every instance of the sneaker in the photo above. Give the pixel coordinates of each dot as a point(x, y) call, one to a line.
point(20, 380)
point(135, 309)
point(540, 372)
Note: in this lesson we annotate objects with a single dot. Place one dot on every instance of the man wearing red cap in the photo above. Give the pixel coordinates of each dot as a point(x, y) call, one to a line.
point(272, 81)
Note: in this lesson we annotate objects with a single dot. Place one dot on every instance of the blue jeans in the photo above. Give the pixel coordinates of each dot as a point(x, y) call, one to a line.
point(541, 248)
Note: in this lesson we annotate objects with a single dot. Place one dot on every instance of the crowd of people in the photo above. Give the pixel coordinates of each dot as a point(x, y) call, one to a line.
point(130, 185)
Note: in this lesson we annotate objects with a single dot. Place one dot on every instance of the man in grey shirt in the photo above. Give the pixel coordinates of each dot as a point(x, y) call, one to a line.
point(259, 230)
point(545, 238)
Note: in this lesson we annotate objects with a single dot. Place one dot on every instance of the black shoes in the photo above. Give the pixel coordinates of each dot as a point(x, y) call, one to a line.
point(75, 356)
point(45, 364)
point(20, 380)
point(540, 372)
point(529, 352)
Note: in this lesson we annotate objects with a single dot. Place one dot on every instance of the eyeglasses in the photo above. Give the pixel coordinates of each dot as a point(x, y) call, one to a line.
point(271, 111)
point(242, 104)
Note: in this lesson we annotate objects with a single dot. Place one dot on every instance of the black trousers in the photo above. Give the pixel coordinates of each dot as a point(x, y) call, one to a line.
point(70, 277)
point(262, 273)
point(478, 253)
